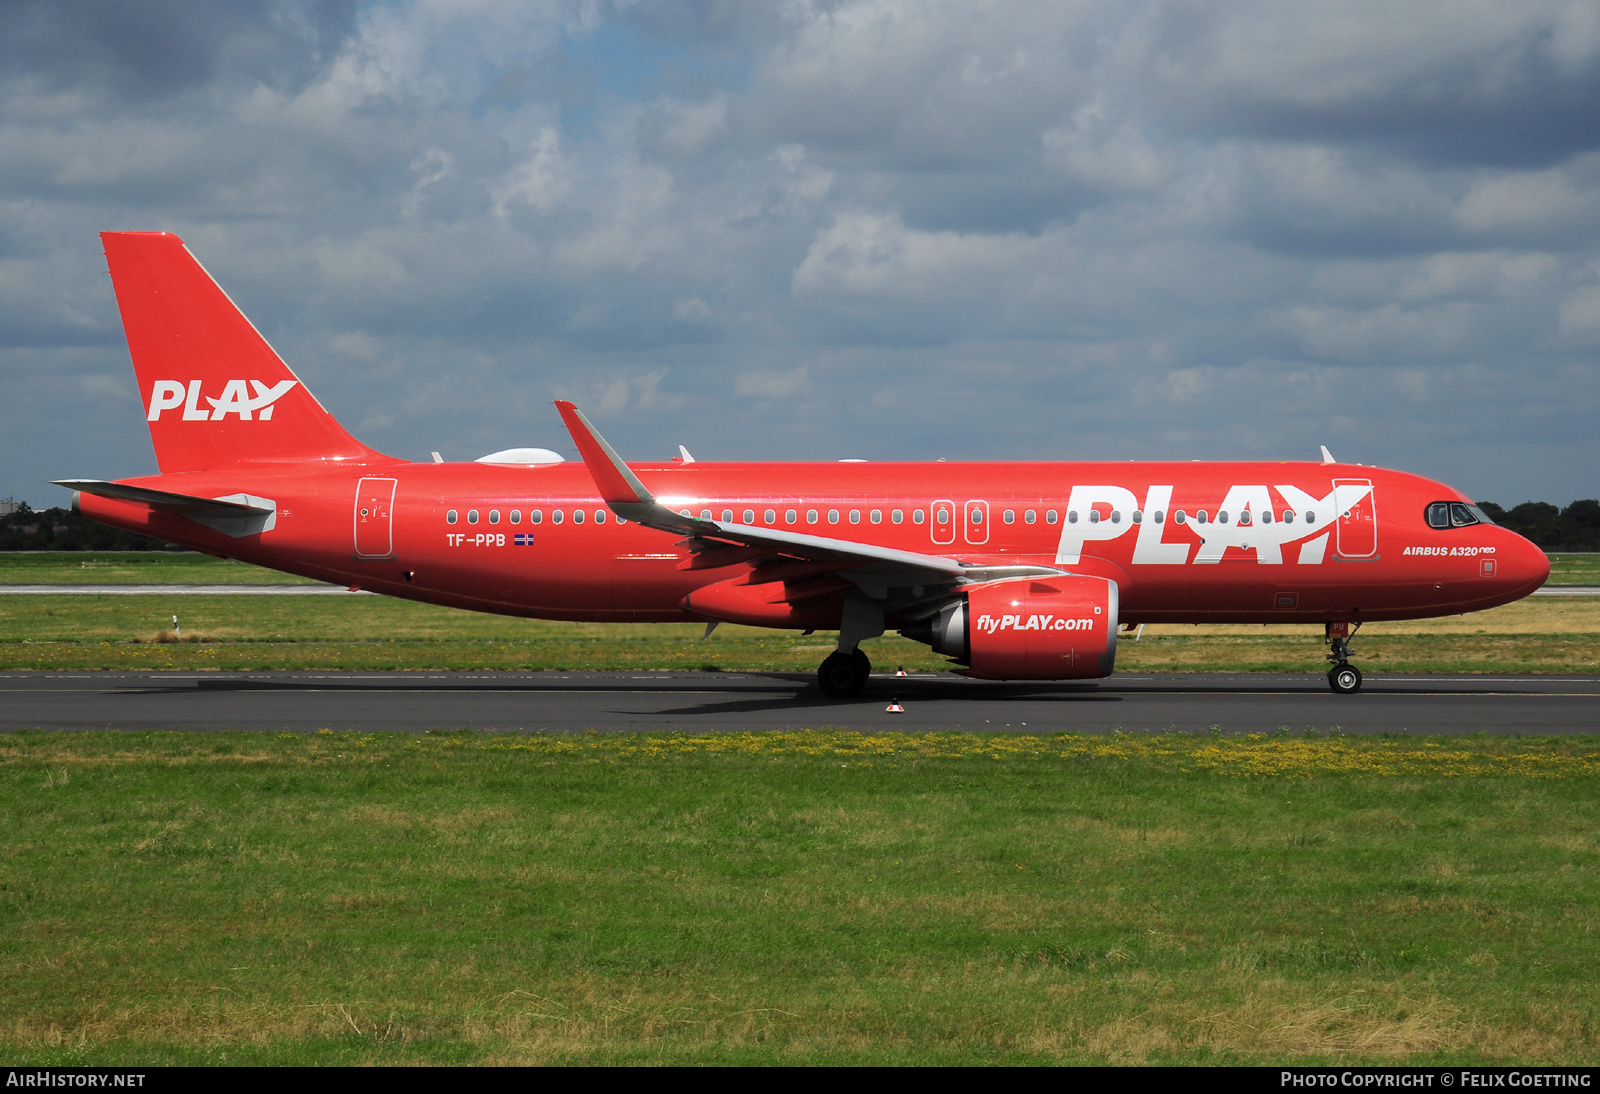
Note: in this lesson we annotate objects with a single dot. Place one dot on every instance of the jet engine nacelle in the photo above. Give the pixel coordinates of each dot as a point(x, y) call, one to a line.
point(1058, 628)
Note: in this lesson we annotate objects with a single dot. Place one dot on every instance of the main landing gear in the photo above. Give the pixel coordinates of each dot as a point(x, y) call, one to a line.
point(845, 672)
point(843, 675)
point(1344, 677)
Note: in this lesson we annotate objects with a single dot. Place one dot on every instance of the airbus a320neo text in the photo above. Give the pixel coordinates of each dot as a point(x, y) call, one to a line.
point(1015, 571)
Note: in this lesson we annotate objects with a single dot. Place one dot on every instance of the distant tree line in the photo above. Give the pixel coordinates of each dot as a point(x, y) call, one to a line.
point(54, 529)
point(1575, 528)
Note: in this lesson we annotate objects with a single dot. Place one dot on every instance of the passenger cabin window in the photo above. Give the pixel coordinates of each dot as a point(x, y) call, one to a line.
point(494, 516)
point(1009, 516)
point(876, 516)
point(1116, 516)
point(1311, 518)
point(811, 516)
point(1180, 516)
point(944, 516)
point(1288, 516)
point(1138, 517)
point(1072, 516)
point(705, 514)
point(1222, 517)
point(897, 516)
point(1160, 515)
point(535, 516)
point(833, 516)
point(855, 516)
point(472, 516)
point(1030, 517)
point(1201, 517)
point(749, 516)
point(790, 516)
point(599, 516)
point(916, 516)
point(450, 517)
point(577, 516)
point(770, 516)
point(516, 516)
point(1094, 516)
point(556, 516)
point(1049, 516)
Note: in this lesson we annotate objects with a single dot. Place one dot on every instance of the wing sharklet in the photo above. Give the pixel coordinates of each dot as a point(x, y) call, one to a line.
point(628, 498)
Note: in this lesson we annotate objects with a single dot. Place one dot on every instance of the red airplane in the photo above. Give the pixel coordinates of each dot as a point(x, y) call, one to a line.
point(1016, 571)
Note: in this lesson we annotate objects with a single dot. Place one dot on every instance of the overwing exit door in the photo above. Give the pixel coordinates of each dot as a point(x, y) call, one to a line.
point(374, 518)
point(942, 521)
point(977, 522)
point(1357, 530)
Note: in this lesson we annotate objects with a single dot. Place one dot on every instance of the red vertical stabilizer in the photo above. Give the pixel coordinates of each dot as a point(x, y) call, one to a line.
point(214, 392)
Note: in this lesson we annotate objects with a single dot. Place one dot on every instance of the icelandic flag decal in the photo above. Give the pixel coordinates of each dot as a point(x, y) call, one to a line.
point(523, 539)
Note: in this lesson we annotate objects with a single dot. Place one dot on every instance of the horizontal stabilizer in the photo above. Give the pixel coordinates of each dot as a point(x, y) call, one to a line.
point(162, 499)
point(235, 515)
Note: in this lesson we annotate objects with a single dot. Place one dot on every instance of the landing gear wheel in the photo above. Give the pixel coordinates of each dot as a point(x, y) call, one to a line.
point(843, 675)
point(1344, 679)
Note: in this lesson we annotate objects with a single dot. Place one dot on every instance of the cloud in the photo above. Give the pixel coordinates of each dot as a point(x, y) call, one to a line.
point(867, 254)
point(1093, 228)
point(772, 385)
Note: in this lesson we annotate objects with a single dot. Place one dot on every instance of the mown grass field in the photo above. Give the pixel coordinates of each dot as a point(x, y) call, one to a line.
point(134, 568)
point(1579, 569)
point(1542, 634)
point(797, 898)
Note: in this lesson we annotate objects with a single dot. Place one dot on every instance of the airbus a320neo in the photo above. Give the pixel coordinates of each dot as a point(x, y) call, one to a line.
point(1015, 571)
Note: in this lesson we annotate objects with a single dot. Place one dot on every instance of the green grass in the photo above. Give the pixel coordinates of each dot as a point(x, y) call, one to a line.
point(797, 898)
point(134, 568)
point(1544, 634)
point(1575, 569)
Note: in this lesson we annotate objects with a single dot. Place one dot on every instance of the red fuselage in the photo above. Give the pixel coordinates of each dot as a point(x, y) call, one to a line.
point(518, 546)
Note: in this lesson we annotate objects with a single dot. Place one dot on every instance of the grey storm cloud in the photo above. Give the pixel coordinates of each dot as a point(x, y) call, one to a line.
point(874, 228)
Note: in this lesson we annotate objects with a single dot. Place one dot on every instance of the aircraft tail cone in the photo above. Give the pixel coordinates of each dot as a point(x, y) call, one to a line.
point(894, 707)
point(901, 671)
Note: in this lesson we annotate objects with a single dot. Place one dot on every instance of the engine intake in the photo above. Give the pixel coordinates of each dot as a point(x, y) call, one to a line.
point(1059, 628)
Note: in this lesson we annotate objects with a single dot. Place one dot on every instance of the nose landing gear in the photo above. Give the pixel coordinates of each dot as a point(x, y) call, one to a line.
point(1344, 677)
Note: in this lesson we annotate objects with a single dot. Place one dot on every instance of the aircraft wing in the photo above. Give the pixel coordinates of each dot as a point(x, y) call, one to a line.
point(864, 564)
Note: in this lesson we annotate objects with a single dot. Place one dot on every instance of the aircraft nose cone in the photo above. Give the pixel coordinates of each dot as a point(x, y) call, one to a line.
point(1523, 566)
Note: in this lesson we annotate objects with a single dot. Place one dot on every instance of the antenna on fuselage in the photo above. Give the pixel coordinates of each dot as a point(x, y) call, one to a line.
point(1327, 457)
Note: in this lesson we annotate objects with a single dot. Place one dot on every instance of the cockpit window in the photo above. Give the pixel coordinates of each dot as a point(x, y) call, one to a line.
point(1455, 514)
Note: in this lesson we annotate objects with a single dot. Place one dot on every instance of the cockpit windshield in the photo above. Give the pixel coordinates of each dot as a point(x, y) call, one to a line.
point(1455, 514)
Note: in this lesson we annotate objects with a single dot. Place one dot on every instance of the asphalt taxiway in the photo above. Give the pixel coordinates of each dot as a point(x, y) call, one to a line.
point(660, 701)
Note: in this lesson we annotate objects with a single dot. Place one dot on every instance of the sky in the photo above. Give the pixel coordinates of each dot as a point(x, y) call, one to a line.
point(794, 229)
